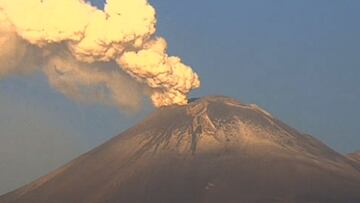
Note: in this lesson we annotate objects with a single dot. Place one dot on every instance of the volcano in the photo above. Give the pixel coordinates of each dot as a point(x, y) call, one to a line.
point(215, 149)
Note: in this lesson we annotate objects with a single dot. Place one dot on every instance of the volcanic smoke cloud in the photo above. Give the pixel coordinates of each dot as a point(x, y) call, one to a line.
point(109, 55)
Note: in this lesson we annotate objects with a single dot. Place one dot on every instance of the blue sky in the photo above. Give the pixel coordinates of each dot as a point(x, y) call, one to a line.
point(297, 59)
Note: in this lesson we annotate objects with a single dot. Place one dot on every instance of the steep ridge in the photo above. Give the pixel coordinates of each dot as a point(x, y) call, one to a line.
point(214, 149)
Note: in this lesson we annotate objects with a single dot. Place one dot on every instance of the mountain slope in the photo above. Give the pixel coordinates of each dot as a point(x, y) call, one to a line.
point(355, 156)
point(213, 150)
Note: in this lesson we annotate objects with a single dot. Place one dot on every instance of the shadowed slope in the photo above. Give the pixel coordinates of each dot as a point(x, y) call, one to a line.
point(214, 149)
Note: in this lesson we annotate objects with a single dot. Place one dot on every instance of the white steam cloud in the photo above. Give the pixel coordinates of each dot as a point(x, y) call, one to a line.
point(110, 55)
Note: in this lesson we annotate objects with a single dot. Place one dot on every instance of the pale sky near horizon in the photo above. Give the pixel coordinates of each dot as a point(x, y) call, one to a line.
point(298, 60)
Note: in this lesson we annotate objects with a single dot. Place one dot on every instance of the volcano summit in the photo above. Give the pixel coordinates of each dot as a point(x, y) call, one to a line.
point(215, 149)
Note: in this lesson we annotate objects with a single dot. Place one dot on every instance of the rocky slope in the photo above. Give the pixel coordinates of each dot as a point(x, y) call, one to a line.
point(214, 149)
point(355, 156)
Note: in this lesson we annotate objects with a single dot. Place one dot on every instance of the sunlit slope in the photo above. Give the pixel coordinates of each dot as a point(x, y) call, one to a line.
point(214, 149)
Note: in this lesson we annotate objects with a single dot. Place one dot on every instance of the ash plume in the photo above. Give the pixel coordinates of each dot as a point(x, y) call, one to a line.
point(111, 56)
